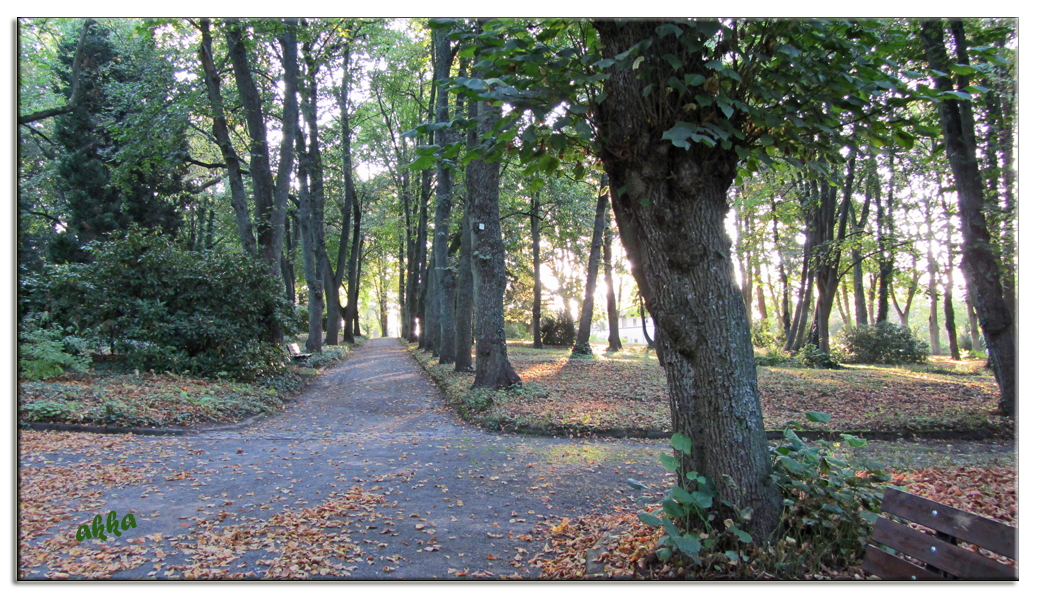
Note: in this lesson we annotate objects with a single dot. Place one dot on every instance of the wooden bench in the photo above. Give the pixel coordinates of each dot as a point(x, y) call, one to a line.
point(293, 349)
point(939, 554)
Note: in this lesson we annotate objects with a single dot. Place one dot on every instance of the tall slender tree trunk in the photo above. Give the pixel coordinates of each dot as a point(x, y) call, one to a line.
point(222, 134)
point(314, 286)
point(270, 195)
point(465, 298)
point(493, 369)
point(670, 216)
point(786, 322)
point(534, 219)
point(934, 293)
point(644, 324)
point(980, 265)
point(350, 313)
point(884, 226)
point(444, 291)
point(333, 280)
point(974, 332)
point(610, 296)
point(583, 334)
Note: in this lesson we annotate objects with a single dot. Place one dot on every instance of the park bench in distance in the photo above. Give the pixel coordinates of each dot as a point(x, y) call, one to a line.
point(293, 348)
point(943, 558)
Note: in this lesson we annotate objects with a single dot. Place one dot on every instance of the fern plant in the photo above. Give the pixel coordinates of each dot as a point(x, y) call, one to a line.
point(44, 352)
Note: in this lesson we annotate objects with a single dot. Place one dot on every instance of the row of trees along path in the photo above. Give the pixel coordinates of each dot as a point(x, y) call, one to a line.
point(678, 116)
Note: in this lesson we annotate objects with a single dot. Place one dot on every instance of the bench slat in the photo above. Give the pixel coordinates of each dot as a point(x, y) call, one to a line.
point(958, 561)
point(890, 567)
point(964, 526)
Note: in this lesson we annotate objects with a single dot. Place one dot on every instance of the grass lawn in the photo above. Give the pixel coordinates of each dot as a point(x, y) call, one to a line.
point(625, 392)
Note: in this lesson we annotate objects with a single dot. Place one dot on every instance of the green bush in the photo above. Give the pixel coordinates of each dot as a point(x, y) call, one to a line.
point(813, 357)
point(170, 310)
point(830, 504)
point(558, 329)
point(762, 335)
point(328, 355)
point(884, 343)
point(44, 352)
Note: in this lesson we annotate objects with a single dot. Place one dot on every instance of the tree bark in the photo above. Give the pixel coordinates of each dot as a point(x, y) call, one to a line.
point(934, 293)
point(610, 296)
point(314, 286)
point(670, 216)
point(222, 134)
point(465, 299)
point(493, 370)
point(77, 91)
point(786, 322)
point(333, 280)
point(644, 324)
point(444, 191)
point(884, 224)
point(979, 263)
point(270, 195)
point(583, 334)
point(534, 219)
point(350, 314)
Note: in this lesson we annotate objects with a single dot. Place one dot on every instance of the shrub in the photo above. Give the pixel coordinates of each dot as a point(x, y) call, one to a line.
point(45, 352)
point(558, 329)
point(167, 309)
point(774, 357)
point(762, 336)
point(813, 357)
point(884, 343)
point(830, 504)
point(830, 508)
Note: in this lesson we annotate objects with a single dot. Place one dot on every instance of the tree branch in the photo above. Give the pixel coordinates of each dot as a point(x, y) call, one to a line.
point(77, 89)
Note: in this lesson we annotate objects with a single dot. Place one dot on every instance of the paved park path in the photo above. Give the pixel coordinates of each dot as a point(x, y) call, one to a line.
point(366, 476)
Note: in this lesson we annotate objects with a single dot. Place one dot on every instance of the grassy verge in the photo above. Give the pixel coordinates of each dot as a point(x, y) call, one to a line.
point(625, 393)
point(162, 400)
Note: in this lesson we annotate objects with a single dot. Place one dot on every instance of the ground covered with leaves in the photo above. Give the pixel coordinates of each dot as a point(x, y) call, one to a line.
point(621, 546)
point(161, 400)
point(624, 393)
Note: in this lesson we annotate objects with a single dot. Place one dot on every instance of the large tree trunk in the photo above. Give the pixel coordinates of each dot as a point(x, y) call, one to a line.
point(583, 334)
point(534, 218)
point(610, 295)
point(493, 370)
point(464, 297)
point(444, 191)
point(671, 215)
point(980, 265)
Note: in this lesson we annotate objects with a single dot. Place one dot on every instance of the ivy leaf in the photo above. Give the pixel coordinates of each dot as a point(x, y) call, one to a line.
point(679, 134)
point(681, 442)
point(818, 416)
